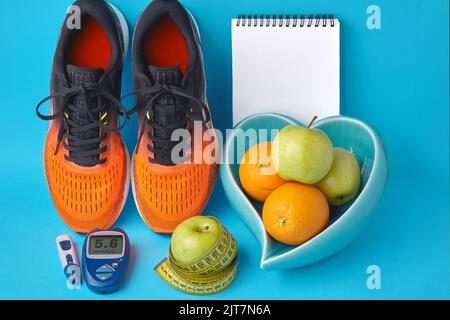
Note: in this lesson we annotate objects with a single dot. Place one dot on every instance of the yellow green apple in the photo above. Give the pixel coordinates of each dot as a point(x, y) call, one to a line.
point(302, 154)
point(342, 182)
point(193, 238)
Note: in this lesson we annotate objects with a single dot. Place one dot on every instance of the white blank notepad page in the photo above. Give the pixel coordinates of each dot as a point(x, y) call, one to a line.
point(288, 70)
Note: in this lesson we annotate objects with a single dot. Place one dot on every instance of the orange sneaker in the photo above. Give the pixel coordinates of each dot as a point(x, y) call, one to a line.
point(85, 160)
point(169, 186)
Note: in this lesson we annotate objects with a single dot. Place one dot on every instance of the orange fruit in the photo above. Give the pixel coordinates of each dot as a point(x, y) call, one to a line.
point(257, 176)
point(295, 212)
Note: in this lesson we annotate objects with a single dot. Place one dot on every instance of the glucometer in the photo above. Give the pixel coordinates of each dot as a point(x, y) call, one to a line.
point(106, 254)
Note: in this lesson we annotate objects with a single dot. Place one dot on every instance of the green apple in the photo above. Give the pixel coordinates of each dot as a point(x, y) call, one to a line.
point(302, 154)
point(342, 182)
point(193, 238)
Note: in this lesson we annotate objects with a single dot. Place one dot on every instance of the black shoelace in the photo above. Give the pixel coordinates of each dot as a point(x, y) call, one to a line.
point(84, 134)
point(194, 110)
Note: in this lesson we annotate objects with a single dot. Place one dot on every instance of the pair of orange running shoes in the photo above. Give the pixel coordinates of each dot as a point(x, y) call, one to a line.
point(87, 166)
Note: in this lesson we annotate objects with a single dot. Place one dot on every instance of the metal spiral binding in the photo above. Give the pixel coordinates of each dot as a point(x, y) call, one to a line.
point(295, 20)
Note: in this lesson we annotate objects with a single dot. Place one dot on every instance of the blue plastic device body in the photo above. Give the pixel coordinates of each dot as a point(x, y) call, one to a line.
point(104, 273)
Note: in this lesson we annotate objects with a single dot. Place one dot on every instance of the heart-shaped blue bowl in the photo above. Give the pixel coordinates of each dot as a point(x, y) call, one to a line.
point(346, 222)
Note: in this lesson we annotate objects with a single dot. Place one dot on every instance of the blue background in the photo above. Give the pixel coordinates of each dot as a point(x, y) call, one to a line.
point(396, 79)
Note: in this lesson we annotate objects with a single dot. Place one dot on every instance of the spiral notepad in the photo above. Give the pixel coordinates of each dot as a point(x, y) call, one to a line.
point(285, 64)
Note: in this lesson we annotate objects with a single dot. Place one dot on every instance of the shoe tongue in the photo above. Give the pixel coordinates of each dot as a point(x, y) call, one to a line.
point(78, 75)
point(166, 111)
point(166, 75)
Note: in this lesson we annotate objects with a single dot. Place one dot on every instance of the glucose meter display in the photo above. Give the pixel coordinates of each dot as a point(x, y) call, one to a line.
point(104, 245)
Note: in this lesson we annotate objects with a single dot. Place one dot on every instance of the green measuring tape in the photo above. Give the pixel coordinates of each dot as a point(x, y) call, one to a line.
point(210, 274)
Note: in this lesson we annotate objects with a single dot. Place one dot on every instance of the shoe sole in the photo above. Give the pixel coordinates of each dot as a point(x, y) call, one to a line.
point(126, 39)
